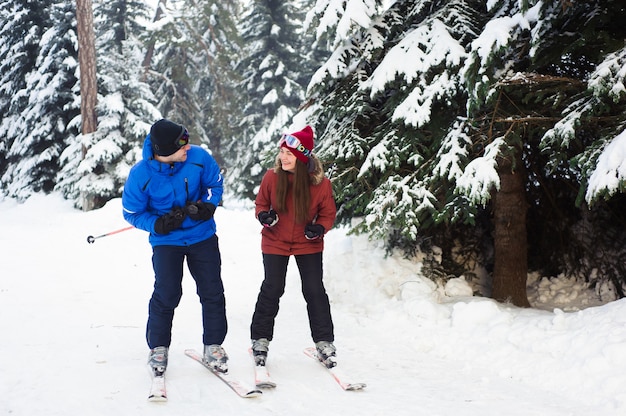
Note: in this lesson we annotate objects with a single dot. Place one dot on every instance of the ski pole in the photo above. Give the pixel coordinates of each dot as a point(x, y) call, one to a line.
point(91, 239)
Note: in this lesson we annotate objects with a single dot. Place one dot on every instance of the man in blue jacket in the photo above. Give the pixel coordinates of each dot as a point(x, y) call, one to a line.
point(172, 193)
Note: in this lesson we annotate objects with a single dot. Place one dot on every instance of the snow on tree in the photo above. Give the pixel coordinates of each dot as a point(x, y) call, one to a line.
point(38, 133)
point(275, 69)
point(191, 73)
point(125, 108)
point(435, 110)
point(606, 85)
point(20, 33)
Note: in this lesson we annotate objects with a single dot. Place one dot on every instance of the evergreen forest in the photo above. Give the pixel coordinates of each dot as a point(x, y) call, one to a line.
point(486, 138)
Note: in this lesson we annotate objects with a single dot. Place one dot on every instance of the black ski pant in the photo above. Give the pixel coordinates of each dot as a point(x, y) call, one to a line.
point(273, 287)
point(204, 263)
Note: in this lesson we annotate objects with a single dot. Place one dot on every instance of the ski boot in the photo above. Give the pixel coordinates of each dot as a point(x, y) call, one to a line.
point(157, 360)
point(260, 347)
point(326, 352)
point(215, 356)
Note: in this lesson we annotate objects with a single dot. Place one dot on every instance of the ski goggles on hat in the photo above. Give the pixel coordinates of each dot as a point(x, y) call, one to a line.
point(294, 143)
point(183, 140)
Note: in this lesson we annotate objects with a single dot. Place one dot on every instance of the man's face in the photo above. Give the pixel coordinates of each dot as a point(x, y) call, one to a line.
point(179, 156)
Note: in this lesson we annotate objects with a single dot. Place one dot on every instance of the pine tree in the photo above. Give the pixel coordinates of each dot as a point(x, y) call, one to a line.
point(551, 115)
point(170, 72)
point(22, 25)
point(488, 93)
point(192, 71)
point(275, 70)
point(40, 113)
point(376, 110)
point(125, 109)
point(217, 79)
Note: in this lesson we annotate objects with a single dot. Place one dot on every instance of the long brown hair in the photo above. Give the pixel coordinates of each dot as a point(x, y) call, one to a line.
point(301, 193)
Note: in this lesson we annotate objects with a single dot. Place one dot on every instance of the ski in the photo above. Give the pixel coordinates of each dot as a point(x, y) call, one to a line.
point(340, 377)
point(261, 376)
point(237, 386)
point(157, 389)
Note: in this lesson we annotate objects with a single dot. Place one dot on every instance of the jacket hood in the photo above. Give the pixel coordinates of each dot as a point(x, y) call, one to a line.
point(147, 153)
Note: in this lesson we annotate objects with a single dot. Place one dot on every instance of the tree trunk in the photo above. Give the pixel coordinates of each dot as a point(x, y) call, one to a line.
point(147, 59)
point(88, 83)
point(510, 239)
point(87, 62)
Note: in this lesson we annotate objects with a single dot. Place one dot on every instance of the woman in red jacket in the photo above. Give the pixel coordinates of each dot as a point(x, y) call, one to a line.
point(296, 207)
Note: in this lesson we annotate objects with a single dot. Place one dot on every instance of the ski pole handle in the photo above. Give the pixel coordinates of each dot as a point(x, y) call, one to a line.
point(91, 239)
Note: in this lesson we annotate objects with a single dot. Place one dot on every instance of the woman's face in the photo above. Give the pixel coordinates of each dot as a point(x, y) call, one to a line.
point(287, 160)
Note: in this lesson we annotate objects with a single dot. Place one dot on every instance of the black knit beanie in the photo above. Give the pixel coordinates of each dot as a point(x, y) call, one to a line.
point(164, 135)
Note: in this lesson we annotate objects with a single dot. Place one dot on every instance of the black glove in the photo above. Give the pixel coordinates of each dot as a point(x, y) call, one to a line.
point(170, 221)
point(200, 211)
point(313, 231)
point(268, 219)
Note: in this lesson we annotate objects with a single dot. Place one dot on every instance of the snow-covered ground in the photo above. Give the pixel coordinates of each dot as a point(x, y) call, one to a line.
point(72, 318)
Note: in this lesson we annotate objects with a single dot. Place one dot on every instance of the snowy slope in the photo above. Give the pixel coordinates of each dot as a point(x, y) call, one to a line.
point(72, 318)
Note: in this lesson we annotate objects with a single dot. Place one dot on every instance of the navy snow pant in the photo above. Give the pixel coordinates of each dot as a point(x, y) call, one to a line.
point(273, 287)
point(204, 263)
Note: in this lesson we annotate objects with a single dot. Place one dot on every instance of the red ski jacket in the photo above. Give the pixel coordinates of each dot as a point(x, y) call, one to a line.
point(287, 237)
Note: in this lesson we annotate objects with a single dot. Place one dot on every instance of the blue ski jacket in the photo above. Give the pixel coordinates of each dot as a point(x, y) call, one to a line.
point(154, 189)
